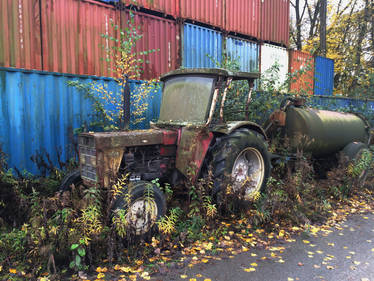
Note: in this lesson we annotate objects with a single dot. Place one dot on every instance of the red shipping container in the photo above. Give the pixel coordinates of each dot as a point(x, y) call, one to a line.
point(159, 34)
point(20, 43)
point(205, 11)
point(275, 16)
point(243, 16)
point(303, 83)
point(72, 36)
point(169, 7)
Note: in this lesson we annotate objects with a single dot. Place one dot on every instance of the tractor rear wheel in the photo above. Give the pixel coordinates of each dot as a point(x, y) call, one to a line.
point(241, 159)
point(144, 203)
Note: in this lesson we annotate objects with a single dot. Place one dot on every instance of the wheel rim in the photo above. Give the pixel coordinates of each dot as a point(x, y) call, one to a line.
point(142, 215)
point(248, 171)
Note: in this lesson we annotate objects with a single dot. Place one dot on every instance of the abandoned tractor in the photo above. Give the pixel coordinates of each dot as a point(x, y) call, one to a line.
point(192, 135)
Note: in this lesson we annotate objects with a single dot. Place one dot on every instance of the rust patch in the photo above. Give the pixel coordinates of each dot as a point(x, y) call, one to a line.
point(191, 152)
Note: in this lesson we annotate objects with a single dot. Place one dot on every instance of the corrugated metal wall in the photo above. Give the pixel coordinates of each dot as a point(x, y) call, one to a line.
point(205, 11)
point(323, 76)
point(270, 55)
point(275, 16)
point(200, 43)
point(243, 16)
point(72, 41)
point(299, 62)
point(39, 112)
point(245, 52)
point(20, 43)
point(161, 35)
point(169, 7)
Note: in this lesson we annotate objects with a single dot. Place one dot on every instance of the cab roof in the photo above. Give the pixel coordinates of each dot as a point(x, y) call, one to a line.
point(212, 72)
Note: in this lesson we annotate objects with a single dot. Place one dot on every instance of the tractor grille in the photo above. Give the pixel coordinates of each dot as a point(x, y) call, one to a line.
point(87, 158)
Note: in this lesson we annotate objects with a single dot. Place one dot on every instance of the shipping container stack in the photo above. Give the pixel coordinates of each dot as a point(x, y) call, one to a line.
point(64, 38)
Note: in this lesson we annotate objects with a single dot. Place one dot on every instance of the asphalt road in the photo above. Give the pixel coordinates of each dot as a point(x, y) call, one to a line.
point(346, 253)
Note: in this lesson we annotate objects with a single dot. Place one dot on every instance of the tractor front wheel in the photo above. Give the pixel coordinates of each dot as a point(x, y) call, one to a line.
point(144, 204)
point(241, 160)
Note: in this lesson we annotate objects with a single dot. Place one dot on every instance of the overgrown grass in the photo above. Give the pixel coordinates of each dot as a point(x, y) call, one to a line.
point(72, 231)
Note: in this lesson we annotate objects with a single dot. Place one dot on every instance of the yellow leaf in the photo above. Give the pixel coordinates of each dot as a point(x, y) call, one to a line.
point(356, 262)
point(254, 255)
point(290, 279)
point(254, 264)
point(306, 241)
point(183, 276)
point(204, 260)
point(251, 269)
point(100, 275)
point(198, 275)
point(207, 279)
point(329, 267)
point(1, 268)
point(192, 279)
point(13, 270)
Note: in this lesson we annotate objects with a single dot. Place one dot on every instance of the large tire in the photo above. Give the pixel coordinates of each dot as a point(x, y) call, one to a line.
point(143, 210)
point(353, 151)
point(73, 177)
point(243, 156)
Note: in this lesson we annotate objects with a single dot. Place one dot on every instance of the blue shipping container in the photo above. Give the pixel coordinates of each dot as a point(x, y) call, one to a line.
point(39, 112)
point(323, 76)
point(202, 47)
point(245, 52)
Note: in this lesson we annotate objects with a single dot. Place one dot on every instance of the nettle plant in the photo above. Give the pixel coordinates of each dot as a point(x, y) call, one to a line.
point(126, 64)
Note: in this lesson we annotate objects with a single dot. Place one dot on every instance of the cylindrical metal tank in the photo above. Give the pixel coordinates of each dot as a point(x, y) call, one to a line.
point(323, 132)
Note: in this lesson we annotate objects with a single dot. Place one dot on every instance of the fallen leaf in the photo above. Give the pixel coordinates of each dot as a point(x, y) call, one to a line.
point(329, 267)
point(306, 241)
point(251, 269)
point(198, 275)
point(300, 264)
point(357, 262)
point(254, 264)
point(183, 276)
point(317, 266)
point(290, 279)
point(13, 270)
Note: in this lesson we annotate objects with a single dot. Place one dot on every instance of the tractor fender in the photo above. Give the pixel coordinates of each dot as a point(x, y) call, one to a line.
point(230, 127)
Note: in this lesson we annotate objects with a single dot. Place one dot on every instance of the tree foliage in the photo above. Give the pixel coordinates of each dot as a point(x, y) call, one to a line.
point(350, 41)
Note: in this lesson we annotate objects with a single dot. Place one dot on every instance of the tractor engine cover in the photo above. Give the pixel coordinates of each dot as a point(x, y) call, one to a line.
point(102, 154)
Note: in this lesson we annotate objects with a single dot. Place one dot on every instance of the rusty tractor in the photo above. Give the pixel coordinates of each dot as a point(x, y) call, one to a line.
point(191, 134)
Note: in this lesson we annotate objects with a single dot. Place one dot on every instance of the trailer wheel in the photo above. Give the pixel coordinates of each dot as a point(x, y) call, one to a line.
point(144, 203)
point(241, 158)
point(73, 177)
point(354, 152)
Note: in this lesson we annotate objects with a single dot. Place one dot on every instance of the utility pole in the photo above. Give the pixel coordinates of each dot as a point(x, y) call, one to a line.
point(322, 28)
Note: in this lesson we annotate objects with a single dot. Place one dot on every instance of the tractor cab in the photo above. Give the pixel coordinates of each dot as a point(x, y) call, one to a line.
point(190, 96)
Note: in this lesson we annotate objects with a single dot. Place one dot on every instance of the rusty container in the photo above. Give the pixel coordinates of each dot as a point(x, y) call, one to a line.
point(72, 36)
point(205, 11)
point(20, 43)
point(323, 132)
point(275, 19)
point(243, 17)
point(168, 7)
point(160, 35)
point(301, 68)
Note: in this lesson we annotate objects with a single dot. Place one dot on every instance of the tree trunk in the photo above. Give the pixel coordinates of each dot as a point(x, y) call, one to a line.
point(322, 32)
point(358, 49)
